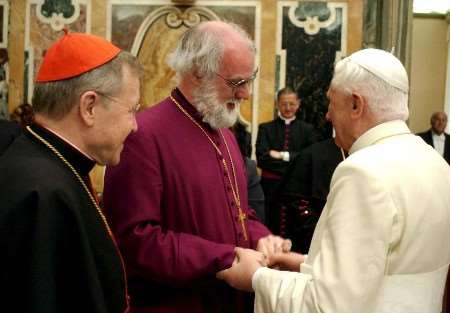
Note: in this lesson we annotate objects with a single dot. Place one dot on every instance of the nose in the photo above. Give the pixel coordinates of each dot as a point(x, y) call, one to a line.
point(327, 116)
point(243, 92)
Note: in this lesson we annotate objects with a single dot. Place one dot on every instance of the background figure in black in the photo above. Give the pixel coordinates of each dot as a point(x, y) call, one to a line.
point(254, 190)
point(305, 189)
point(244, 139)
point(21, 117)
point(436, 136)
point(278, 143)
point(8, 132)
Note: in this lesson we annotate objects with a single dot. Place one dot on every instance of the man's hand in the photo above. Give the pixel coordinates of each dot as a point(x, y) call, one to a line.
point(240, 274)
point(287, 261)
point(271, 245)
point(275, 154)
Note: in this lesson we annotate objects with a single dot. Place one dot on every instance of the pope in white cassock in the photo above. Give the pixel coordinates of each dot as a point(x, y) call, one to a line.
point(382, 241)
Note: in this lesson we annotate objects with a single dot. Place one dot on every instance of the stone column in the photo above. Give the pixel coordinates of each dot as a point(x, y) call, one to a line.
point(447, 80)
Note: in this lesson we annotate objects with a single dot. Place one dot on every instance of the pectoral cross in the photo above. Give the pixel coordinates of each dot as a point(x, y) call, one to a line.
point(242, 217)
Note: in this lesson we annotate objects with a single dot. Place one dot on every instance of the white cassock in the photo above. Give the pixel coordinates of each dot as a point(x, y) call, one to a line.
point(382, 244)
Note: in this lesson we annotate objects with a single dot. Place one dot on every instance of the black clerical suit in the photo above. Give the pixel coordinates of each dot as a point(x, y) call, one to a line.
point(56, 253)
point(254, 190)
point(305, 190)
point(428, 138)
point(8, 132)
point(279, 136)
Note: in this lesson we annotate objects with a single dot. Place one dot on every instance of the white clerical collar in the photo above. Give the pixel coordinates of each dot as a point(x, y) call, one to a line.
point(441, 136)
point(379, 132)
point(287, 121)
point(70, 143)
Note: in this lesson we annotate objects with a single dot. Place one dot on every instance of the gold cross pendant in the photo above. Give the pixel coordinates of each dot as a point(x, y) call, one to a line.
point(242, 217)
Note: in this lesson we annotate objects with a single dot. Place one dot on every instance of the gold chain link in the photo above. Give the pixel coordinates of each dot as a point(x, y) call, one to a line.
point(94, 202)
point(242, 216)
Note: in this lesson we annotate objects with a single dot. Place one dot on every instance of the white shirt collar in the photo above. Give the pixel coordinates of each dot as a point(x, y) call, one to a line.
point(441, 136)
point(379, 132)
point(287, 121)
point(70, 143)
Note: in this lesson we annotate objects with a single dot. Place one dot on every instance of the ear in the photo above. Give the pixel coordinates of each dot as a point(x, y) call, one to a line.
point(196, 77)
point(359, 105)
point(88, 102)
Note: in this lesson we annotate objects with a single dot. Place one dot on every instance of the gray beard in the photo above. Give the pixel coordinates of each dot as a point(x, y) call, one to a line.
point(216, 114)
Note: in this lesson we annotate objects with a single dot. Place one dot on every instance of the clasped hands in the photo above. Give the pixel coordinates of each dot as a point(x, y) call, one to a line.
point(272, 251)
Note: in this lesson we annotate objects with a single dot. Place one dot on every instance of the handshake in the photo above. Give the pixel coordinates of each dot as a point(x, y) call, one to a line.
point(272, 251)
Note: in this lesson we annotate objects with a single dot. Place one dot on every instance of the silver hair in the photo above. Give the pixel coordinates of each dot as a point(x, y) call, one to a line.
point(386, 102)
point(55, 99)
point(201, 49)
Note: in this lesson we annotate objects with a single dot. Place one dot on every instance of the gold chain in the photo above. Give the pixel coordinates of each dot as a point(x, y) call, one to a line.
point(94, 202)
point(242, 216)
point(342, 153)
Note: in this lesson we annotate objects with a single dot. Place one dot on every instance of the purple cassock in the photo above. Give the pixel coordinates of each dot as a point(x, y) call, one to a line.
point(170, 204)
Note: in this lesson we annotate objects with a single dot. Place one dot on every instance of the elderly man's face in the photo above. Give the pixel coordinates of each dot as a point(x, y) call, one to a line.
point(288, 105)
point(218, 98)
point(439, 122)
point(339, 110)
point(116, 121)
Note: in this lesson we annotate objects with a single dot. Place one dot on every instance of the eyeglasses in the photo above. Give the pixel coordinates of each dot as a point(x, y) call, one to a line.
point(236, 83)
point(133, 110)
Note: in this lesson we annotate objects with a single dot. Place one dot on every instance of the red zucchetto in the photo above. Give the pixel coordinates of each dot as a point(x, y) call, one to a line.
point(74, 54)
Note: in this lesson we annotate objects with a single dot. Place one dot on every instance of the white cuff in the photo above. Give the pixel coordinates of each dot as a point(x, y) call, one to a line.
point(285, 156)
point(255, 276)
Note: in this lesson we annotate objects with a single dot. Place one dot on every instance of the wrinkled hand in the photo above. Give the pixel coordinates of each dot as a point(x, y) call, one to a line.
point(287, 261)
point(271, 245)
point(240, 274)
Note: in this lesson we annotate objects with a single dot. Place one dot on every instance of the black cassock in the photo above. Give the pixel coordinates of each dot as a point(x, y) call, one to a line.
point(305, 188)
point(55, 252)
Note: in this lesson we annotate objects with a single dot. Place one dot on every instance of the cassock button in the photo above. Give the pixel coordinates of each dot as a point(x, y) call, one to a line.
point(225, 173)
point(228, 188)
point(232, 203)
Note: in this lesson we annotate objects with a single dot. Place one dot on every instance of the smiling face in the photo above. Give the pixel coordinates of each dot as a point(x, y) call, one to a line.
point(218, 98)
point(288, 104)
point(116, 120)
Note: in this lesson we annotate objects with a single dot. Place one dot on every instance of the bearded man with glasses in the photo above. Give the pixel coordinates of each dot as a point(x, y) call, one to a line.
point(178, 202)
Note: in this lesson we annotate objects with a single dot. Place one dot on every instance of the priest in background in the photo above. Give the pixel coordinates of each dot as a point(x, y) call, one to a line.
point(381, 244)
point(278, 143)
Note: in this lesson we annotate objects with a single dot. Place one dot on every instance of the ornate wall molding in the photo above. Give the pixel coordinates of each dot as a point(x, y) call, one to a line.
point(311, 36)
point(58, 13)
point(311, 23)
point(44, 21)
point(174, 18)
point(4, 6)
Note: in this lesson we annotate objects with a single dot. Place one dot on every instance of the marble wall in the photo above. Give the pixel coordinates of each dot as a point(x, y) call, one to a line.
point(298, 42)
point(312, 36)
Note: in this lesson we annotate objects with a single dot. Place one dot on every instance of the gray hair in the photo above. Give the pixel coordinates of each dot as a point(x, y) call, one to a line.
point(201, 48)
point(55, 99)
point(386, 102)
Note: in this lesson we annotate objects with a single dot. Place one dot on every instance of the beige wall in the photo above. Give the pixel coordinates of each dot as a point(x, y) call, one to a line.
point(428, 70)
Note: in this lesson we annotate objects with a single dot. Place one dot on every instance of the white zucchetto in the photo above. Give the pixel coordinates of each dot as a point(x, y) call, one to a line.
point(384, 65)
